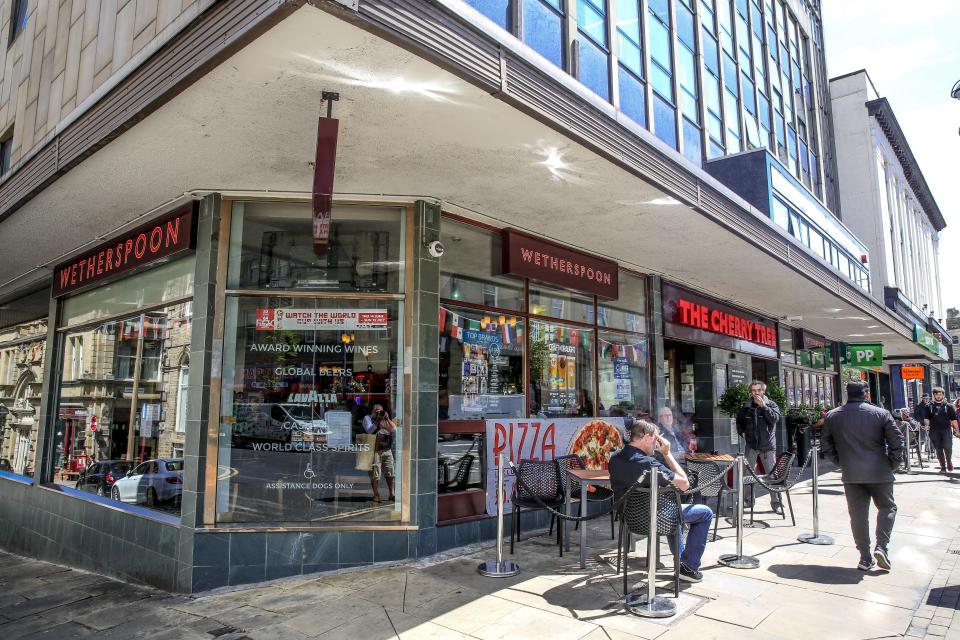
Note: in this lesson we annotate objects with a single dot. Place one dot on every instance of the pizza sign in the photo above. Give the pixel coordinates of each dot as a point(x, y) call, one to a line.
point(593, 439)
point(321, 319)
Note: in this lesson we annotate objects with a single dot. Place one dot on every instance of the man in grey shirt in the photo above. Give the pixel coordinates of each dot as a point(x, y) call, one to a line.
point(864, 441)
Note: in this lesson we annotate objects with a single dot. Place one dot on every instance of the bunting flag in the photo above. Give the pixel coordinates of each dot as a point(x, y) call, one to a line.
point(575, 338)
point(505, 333)
point(455, 331)
point(443, 319)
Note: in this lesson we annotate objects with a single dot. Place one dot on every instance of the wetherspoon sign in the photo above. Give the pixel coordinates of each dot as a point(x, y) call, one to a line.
point(691, 316)
point(551, 263)
point(164, 238)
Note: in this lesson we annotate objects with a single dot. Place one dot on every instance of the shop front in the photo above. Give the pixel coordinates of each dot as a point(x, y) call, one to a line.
point(531, 333)
point(810, 375)
point(709, 345)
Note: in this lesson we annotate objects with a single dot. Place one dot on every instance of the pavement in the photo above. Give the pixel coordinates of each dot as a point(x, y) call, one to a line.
point(799, 591)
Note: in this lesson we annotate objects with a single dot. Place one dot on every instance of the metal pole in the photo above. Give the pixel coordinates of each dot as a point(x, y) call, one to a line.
point(815, 537)
point(499, 568)
point(738, 560)
point(650, 606)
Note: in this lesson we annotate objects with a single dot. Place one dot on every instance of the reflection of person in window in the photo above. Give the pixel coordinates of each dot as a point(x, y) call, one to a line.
point(678, 438)
point(584, 404)
point(379, 424)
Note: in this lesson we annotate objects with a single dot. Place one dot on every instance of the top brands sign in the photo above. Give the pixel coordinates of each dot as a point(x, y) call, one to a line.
point(554, 264)
point(690, 316)
point(164, 238)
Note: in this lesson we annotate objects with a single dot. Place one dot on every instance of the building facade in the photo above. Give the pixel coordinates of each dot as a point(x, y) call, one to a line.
point(887, 203)
point(263, 227)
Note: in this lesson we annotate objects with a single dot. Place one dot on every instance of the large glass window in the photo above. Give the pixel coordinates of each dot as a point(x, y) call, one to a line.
point(543, 29)
point(496, 10)
point(481, 364)
point(311, 422)
point(115, 428)
point(23, 336)
point(467, 269)
point(561, 370)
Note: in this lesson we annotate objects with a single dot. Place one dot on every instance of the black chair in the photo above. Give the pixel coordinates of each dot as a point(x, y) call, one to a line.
point(462, 477)
point(703, 469)
point(915, 442)
point(538, 481)
point(635, 519)
point(599, 494)
point(779, 478)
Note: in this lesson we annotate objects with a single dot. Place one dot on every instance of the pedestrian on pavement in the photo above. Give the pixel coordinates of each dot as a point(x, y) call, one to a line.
point(864, 441)
point(941, 419)
point(757, 424)
point(631, 462)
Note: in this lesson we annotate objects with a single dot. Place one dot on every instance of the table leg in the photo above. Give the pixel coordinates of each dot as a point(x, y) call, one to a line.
point(566, 502)
point(583, 524)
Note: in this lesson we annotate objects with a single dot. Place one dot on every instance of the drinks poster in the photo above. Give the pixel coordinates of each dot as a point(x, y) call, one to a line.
point(593, 439)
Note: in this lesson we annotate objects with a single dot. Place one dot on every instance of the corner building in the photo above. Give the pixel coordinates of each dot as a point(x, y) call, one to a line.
point(202, 412)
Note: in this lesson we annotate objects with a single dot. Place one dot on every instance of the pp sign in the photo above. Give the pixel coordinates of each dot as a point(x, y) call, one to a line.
point(865, 356)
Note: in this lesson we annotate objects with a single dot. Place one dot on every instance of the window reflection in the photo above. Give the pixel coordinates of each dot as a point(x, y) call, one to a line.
point(561, 370)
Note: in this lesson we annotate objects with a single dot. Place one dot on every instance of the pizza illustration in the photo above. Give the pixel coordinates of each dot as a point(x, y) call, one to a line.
point(595, 443)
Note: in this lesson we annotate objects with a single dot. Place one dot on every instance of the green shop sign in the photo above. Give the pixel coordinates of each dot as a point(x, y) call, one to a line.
point(926, 339)
point(865, 356)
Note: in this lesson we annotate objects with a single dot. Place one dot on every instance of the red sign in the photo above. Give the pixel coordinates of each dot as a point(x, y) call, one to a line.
point(554, 264)
point(325, 162)
point(171, 235)
point(698, 318)
point(810, 340)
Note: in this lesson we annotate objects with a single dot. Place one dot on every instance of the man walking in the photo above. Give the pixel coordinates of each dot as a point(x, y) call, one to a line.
point(757, 423)
point(864, 441)
point(941, 420)
point(634, 460)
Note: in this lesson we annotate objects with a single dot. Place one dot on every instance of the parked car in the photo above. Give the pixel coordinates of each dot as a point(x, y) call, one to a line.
point(151, 483)
point(99, 477)
point(5, 465)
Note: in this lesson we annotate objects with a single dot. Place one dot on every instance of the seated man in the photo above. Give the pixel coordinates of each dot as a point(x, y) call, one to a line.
point(628, 464)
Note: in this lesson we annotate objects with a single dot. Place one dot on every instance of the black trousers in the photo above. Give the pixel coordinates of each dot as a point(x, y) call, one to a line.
point(859, 496)
point(942, 441)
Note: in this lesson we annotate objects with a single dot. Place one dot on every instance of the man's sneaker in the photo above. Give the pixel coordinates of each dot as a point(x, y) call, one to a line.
point(883, 560)
point(949, 466)
point(690, 575)
point(866, 564)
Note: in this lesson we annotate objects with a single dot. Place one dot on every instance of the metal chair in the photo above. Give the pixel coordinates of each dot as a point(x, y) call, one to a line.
point(916, 438)
point(600, 494)
point(462, 477)
point(635, 519)
point(705, 469)
point(536, 480)
point(778, 478)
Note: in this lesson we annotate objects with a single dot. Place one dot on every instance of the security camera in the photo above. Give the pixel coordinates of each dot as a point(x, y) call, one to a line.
point(436, 248)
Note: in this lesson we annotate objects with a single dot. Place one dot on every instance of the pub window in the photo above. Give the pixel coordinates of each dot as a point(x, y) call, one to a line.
point(311, 420)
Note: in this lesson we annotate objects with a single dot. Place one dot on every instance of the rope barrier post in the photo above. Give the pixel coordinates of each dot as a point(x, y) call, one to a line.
point(738, 560)
point(910, 471)
point(649, 605)
point(500, 568)
point(816, 537)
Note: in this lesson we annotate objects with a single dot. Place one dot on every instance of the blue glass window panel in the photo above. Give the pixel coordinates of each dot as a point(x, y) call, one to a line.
point(715, 126)
point(689, 105)
point(707, 17)
point(764, 111)
point(778, 126)
point(730, 74)
point(710, 54)
point(665, 121)
point(660, 43)
point(660, 9)
point(749, 102)
point(756, 22)
point(594, 69)
point(723, 15)
point(556, 4)
point(772, 43)
point(797, 79)
point(715, 149)
point(712, 87)
point(816, 243)
point(592, 21)
point(753, 132)
point(686, 30)
point(633, 98)
point(692, 142)
point(743, 36)
point(496, 10)
point(758, 57)
point(765, 137)
point(630, 54)
point(687, 69)
point(742, 7)
point(804, 157)
point(628, 17)
point(662, 81)
point(780, 214)
point(543, 31)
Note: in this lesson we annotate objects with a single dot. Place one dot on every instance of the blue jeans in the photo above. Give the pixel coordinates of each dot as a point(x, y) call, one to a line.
point(698, 518)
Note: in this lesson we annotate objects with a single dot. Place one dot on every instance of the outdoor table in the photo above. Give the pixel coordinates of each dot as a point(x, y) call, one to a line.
point(587, 478)
point(710, 457)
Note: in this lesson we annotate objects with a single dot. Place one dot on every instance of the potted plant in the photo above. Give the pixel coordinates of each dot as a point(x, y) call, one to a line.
point(733, 399)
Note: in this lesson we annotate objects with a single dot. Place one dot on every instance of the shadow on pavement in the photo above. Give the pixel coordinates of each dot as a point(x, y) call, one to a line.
point(946, 597)
point(821, 574)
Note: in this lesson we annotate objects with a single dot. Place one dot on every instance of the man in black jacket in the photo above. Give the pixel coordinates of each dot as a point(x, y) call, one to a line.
point(940, 420)
point(757, 423)
point(865, 442)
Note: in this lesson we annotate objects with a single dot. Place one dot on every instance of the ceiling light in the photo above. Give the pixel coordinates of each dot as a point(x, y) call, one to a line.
point(666, 201)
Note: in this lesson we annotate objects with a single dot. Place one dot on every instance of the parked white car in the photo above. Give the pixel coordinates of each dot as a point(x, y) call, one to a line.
point(151, 483)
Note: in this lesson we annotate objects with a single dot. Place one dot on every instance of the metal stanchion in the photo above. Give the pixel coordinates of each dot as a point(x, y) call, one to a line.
point(649, 605)
point(910, 471)
point(816, 537)
point(738, 560)
point(500, 568)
